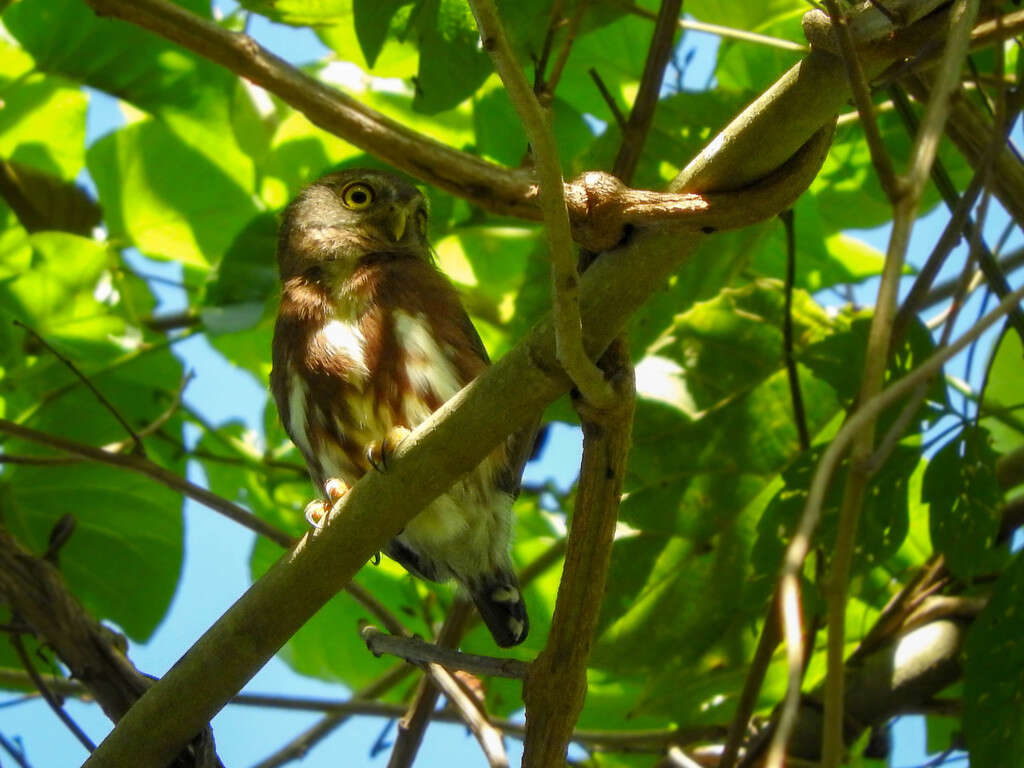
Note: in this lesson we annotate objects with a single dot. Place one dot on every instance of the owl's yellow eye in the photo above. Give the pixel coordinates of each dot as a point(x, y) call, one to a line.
point(357, 196)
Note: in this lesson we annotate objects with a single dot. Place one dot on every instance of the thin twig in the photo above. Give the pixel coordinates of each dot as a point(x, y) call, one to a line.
point(412, 727)
point(642, 115)
point(48, 697)
point(617, 115)
point(16, 754)
point(766, 645)
point(472, 714)
point(861, 92)
point(137, 442)
point(298, 747)
point(799, 545)
point(420, 652)
point(143, 466)
point(792, 373)
point(548, 91)
point(960, 207)
point(555, 20)
point(565, 278)
point(729, 33)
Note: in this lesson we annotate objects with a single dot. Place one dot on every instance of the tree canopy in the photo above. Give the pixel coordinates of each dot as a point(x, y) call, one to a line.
point(810, 500)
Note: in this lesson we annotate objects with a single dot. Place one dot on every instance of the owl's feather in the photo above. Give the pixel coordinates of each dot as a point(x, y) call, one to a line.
point(371, 336)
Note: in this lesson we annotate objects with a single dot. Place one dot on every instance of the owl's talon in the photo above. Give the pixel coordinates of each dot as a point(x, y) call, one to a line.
point(376, 558)
point(378, 451)
point(335, 489)
point(316, 511)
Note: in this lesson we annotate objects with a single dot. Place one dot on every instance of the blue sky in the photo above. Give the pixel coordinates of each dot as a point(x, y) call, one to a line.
point(216, 567)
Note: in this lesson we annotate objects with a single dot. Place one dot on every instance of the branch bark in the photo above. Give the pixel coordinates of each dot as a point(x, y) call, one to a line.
point(556, 684)
point(35, 591)
point(565, 279)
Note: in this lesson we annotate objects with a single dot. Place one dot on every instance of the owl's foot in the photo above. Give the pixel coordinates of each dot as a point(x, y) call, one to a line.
point(316, 510)
point(378, 451)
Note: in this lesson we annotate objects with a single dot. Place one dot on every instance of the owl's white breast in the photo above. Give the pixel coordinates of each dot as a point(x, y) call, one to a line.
point(345, 338)
point(430, 371)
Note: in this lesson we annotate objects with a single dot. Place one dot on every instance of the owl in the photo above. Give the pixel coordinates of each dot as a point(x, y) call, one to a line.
point(370, 340)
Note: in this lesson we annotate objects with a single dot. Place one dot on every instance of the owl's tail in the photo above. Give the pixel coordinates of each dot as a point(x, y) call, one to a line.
point(501, 606)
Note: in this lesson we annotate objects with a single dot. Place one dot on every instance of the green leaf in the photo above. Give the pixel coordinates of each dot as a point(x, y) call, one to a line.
point(52, 286)
point(1002, 395)
point(964, 499)
point(373, 20)
point(452, 65)
point(124, 558)
point(68, 38)
point(884, 519)
point(301, 12)
point(42, 125)
point(994, 675)
point(139, 171)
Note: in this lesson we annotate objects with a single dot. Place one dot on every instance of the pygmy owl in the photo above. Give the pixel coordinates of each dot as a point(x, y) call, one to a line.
point(370, 340)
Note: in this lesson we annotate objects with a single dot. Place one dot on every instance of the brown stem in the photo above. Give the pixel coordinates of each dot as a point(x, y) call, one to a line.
point(556, 683)
point(47, 694)
point(417, 651)
point(412, 727)
point(862, 98)
point(642, 115)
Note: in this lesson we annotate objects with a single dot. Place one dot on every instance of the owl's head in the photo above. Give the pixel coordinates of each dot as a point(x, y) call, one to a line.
point(347, 215)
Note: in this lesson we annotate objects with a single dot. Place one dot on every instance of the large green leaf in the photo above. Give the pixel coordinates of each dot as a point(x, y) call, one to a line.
point(42, 124)
point(994, 675)
point(139, 171)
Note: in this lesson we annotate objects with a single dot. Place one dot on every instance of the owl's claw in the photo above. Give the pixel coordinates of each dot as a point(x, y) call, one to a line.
point(378, 451)
point(316, 511)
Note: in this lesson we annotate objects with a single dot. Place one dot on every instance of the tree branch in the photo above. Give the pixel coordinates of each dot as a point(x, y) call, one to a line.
point(417, 651)
point(412, 727)
point(35, 591)
point(556, 685)
point(565, 278)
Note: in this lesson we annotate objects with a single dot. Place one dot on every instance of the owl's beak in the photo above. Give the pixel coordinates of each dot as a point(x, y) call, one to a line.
point(399, 218)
